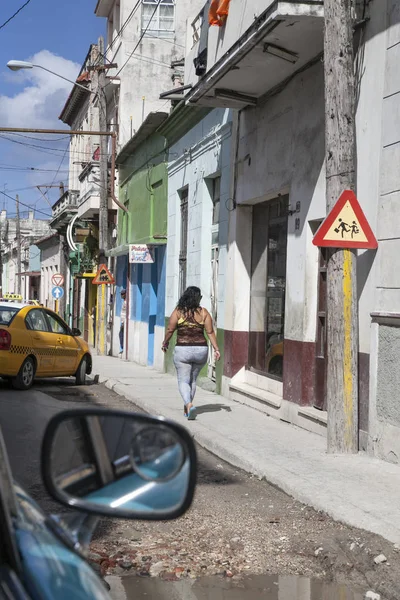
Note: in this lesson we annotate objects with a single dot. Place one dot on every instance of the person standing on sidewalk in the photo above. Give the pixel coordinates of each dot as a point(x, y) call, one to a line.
point(191, 350)
point(122, 326)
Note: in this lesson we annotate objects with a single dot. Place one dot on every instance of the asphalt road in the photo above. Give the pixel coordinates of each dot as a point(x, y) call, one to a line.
point(23, 420)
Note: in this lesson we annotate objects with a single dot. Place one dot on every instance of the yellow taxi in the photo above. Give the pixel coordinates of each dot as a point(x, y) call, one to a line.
point(36, 342)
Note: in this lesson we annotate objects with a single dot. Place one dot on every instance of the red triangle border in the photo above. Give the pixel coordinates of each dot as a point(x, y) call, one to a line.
point(97, 282)
point(347, 196)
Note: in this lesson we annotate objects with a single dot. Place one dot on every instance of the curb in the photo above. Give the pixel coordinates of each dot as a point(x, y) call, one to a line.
point(288, 482)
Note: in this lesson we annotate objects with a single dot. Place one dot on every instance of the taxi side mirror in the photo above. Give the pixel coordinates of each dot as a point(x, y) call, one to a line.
point(76, 332)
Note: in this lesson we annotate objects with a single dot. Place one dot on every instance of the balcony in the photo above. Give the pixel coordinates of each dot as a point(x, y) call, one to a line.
point(89, 197)
point(257, 50)
point(64, 209)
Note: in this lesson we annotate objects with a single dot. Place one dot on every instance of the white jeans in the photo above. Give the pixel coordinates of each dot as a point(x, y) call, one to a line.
point(189, 361)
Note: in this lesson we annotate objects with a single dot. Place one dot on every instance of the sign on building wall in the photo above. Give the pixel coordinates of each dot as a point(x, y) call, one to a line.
point(140, 253)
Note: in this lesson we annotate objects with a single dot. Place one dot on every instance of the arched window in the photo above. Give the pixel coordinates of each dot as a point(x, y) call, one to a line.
point(158, 18)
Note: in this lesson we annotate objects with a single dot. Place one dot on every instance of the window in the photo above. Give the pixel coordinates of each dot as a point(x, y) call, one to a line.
point(7, 315)
point(184, 195)
point(196, 29)
point(36, 320)
point(158, 17)
point(57, 325)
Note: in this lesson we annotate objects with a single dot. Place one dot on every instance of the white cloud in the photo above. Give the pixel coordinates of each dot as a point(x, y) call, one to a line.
point(39, 104)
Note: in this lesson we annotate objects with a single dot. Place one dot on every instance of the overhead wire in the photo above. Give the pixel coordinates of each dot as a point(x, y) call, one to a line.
point(42, 148)
point(28, 169)
point(124, 25)
point(139, 41)
point(59, 167)
point(29, 137)
point(23, 204)
point(30, 187)
point(15, 14)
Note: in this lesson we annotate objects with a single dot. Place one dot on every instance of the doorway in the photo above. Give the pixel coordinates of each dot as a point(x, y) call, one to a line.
point(320, 355)
point(268, 287)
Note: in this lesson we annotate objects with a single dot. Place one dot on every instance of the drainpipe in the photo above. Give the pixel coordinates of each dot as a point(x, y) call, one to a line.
point(128, 301)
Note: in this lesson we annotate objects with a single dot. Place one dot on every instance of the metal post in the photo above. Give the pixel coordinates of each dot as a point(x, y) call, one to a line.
point(342, 303)
point(1, 262)
point(18, 240)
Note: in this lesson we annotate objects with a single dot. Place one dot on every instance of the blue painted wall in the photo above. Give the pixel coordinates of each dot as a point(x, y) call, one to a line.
point(147, 294)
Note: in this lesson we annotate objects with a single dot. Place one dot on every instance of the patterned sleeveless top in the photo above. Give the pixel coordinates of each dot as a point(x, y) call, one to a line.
point(191, 332)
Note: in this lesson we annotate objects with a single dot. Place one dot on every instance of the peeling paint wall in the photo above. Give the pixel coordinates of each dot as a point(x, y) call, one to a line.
point(148, 71)
point(281, 150)
point(201, 154)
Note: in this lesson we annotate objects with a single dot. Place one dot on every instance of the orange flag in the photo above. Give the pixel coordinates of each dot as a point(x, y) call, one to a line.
point(223, 9)
point(212, 15)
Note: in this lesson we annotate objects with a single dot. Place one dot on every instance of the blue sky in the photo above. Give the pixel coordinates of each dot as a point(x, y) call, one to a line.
point(57, 35)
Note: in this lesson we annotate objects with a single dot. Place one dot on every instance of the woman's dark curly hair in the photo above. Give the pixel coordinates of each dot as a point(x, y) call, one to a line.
point(189, 302)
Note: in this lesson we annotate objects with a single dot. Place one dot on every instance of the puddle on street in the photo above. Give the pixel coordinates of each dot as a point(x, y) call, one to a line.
point(267, 587)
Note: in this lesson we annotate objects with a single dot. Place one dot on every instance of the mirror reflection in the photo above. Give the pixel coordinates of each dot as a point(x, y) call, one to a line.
point(128, 464)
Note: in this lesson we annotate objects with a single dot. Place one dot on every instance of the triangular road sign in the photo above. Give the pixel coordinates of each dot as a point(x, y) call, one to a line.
point(346, 226)
point(103, 276)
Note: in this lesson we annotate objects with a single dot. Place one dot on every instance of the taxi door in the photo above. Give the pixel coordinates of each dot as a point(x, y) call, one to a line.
point(67, 352)
point(42, 340)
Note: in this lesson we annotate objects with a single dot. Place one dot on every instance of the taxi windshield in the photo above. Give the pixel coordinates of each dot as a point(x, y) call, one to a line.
point(7, 313)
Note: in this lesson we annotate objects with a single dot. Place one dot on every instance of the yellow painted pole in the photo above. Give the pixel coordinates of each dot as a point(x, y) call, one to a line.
point(101, 320)
point(347, 351)
point(56, 306)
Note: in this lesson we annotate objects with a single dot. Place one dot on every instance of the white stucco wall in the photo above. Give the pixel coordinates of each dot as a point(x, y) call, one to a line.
point(202, 153)
point(281, 150)
point(384, 414)
point(148, 71)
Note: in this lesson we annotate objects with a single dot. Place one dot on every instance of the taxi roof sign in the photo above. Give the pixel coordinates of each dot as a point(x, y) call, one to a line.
point(12, 297)
point(346, 226)
point(103, 276)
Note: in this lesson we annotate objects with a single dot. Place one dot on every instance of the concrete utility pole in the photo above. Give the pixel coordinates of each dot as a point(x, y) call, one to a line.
point(18, 240)
point(342, 303)
point(99, 74)
point(1, 260)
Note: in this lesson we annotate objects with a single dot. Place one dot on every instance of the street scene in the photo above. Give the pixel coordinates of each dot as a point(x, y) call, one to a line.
point(199, 300)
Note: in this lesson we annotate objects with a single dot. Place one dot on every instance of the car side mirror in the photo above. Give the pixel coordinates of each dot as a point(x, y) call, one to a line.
point(119, 464)
point(76, 332)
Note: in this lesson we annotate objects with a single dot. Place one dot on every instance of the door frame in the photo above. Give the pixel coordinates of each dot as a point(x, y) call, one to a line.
point(250, 368)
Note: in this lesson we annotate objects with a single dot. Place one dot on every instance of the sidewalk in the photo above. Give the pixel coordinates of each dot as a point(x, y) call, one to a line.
point(358, 490)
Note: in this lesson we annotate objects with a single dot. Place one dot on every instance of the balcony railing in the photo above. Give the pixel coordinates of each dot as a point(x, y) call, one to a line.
point(68, 200)
point(90, 181)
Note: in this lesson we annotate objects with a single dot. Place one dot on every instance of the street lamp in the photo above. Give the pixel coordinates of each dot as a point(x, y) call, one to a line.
point(18, 65)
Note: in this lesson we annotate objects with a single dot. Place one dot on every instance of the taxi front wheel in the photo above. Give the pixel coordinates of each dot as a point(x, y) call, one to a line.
point(80, 375)
point(26, 375)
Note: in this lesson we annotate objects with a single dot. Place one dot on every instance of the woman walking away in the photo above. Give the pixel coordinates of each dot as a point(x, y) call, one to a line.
point(191, 350)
